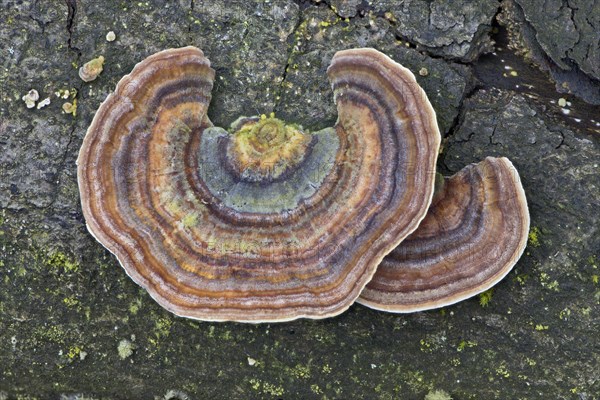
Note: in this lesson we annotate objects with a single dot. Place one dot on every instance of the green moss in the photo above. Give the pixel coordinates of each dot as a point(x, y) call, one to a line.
point(135, 306)
point(266, 387)
point(226, 335)
point(53, 333)
point(486, 297)
point(416, 381)
point(438, 395)
point(70, 301)
point(502, 370)
point(522, 279)
point(547, 283)
point(425, 346)
point(465, 344)
point(586, 311)
point(163, 326)
point(534, 237)
point(74, 352)
point(255, 384)
point(60, 261)
point(316, 389)
point(162, 329)
point(301, 371)
point(564, 314)
point(273, 390)
point(125, 349)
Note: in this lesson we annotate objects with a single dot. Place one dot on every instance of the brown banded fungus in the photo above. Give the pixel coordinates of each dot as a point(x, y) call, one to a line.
point(265, 222)
point(474, 232)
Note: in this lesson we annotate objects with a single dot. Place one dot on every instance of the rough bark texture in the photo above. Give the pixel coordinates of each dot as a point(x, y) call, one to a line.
point(74, 326)
point(561, 36)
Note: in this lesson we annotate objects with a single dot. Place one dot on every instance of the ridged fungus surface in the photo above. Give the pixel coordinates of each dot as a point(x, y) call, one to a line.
point(266, 221)
point(474, 232)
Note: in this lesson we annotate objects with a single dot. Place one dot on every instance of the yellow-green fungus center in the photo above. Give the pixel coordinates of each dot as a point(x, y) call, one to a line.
point(263, 149)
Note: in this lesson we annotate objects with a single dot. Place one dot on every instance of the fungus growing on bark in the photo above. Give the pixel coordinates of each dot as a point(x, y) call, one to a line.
point(474, 232)
point(267, 222)
point(91, 69)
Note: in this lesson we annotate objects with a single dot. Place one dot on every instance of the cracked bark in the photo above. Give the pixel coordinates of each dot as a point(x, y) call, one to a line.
point(571, 71)
point(72, 12)
point(49, 312)
point(290, 54)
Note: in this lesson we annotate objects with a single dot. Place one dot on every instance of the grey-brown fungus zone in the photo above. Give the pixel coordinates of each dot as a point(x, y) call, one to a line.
point(474, 232)
point(265, 222)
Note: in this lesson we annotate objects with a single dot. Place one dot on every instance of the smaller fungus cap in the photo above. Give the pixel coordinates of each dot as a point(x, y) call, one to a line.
point(474, 233)
point(266, 222)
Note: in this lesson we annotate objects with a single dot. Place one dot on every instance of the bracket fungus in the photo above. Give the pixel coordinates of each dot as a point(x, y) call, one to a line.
point(474, 232)
point(265, 222)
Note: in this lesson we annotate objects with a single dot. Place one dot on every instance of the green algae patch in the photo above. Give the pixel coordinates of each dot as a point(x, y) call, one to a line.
point(267, 388)
point(548, 283)
point(161, 330)
point(54, 333)
point(61, 262)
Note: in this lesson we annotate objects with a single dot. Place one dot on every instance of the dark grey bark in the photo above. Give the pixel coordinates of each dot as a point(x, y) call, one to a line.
point(73, 325)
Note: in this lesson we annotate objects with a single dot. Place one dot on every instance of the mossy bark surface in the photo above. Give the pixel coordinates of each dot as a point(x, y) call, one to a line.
point(73, 325)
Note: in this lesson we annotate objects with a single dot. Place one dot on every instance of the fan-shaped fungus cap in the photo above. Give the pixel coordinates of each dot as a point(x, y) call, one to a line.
point(474, 233)
point(267, 222)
